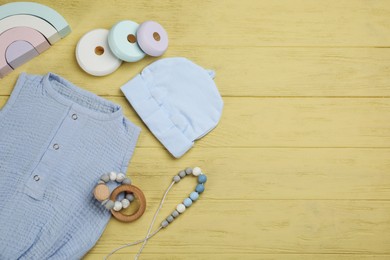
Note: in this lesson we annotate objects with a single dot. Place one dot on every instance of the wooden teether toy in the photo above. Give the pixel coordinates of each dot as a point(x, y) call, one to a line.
point(123, 41)
point(93, 54)
point(100, 52)
point(152, 38)
point(102, 193)
point(180, 208)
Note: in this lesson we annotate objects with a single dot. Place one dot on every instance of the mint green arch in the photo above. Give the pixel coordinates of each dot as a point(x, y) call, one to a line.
point(39, 10)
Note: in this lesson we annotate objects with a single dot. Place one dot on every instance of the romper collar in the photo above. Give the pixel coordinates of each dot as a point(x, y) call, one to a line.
point(80, 100)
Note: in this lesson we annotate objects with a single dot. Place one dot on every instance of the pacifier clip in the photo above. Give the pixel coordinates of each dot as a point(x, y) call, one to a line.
point(180, 208)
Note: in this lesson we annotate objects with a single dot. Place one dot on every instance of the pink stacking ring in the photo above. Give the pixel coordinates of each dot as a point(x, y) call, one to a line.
point(152, 38)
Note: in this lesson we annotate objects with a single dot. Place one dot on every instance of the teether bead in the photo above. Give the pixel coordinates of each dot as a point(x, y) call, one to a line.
point(126, 181)
point(105, 177)
point(176, 178)
point(194, 196)
point(170, 219)
point(187, 202)
point(109, 205)
point(120, 177)
point(188, 171)
point(199, 188)
point(101, 182)
point(130, 197)
point(181, 208)
point(125, 203)
point(196, 171)
point(164, 224)
point(117, 206)
point(175, 214)
point(202, 178)
point(112, 176)
point(182, 174)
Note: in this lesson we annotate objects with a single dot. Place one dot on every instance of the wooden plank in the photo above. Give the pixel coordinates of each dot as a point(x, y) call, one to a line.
point(289, 122)
point(261, 227)
point(243, 23)
point(264, 72)
point(245, 256)
point(275, 174)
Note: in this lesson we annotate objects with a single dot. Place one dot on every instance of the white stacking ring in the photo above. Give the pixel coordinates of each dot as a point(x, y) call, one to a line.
point(94, 55)
point(122, 40)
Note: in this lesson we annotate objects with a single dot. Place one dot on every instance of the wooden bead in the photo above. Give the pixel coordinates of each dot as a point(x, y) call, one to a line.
point(101, 192)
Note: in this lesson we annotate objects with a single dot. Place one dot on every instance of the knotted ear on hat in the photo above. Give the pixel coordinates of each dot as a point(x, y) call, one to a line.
point(178, 101)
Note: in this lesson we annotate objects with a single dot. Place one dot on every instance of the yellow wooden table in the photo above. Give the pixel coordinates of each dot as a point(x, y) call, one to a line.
point(299, 166)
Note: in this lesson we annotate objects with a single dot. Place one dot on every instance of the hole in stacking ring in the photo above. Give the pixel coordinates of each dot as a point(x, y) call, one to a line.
point(99, 50)
point(156, 36)
point(131, 38)
point(138, 194)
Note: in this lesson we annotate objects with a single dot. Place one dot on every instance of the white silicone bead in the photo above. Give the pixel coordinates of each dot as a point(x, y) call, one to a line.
point(117, 206)
point(181, 208)
point(196, 171)
point(112, 176)
point(125, 203)
point(120, 177)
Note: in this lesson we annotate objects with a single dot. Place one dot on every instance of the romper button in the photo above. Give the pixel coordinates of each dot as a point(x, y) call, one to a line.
point(36, 178)
point(56, 146)
point(74, 117)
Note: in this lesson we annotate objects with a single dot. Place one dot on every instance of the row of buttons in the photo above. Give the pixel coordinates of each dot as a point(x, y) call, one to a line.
point(55, 147)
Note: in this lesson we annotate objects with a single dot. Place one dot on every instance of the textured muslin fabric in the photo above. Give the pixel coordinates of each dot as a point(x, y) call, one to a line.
point(56, 140)
point(178, 100)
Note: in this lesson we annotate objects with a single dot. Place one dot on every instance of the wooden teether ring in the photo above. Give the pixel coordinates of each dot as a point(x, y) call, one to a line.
point(138, 194)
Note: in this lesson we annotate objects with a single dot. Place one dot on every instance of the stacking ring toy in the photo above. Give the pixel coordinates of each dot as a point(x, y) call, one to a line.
point(94, 55)
point(123, 41)
point(152, 38)
point(102, 193)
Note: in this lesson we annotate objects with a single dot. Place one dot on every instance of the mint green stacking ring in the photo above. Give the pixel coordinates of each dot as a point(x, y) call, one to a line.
point(123, 41)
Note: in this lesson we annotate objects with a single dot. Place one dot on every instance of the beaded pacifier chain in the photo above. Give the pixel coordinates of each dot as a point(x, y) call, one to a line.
point(180, 208)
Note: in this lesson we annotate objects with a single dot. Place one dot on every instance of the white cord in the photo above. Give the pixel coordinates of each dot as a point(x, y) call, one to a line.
point(148, 236)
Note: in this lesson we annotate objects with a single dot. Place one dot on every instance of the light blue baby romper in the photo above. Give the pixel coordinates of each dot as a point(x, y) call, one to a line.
point(56, 140)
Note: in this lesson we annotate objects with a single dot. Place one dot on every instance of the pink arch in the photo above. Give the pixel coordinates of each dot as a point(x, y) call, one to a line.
point(27, 34)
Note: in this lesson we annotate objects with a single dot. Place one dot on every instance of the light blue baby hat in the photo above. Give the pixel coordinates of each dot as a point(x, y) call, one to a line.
point(178, 101)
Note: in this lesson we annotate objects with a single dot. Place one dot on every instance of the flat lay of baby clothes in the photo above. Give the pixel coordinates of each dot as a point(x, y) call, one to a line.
point(56, 140)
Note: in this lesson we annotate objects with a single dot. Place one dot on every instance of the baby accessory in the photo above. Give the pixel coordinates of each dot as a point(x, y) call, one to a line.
point(26, 30)
point(100, 54)
point(102, 193)
point(178, 101)
point(123, 42)
point(93, 54)
point(55, 140)
point(180, 208)
point(152, 38)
